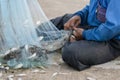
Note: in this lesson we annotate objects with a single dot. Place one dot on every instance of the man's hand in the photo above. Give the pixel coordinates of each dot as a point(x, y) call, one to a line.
point(77, 34)
point(73, 22)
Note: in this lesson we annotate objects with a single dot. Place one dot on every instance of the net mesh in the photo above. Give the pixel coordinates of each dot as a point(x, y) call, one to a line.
point(22, 43)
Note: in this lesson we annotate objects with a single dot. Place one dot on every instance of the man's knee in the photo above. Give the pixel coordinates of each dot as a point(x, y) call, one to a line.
point(67, 54)
point(69, 57)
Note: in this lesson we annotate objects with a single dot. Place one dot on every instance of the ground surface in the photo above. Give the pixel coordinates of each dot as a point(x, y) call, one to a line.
point(59, 70)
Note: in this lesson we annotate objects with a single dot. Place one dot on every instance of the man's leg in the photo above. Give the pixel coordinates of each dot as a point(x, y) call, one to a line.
point(82, 54)
point(60, 21)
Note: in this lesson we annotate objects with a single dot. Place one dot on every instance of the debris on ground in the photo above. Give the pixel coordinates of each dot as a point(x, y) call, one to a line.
point(90, 78)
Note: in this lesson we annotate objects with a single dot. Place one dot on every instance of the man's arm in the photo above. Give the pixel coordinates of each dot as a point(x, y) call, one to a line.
point(109, 29)
point(79, 18)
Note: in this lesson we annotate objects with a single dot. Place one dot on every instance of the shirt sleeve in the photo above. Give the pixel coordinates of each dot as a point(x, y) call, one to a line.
point(108, 30)
point(83, 14)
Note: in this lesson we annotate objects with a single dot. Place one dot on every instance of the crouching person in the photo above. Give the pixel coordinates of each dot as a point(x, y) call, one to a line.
point(96, 34)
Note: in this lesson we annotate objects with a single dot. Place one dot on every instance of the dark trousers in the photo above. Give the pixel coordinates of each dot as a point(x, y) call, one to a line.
point(83, 54)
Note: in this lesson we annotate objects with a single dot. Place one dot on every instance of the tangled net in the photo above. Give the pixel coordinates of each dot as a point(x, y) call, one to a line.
point(22, 43)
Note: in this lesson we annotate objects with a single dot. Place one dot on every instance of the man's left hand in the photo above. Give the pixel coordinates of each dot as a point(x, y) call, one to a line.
point(78, 33)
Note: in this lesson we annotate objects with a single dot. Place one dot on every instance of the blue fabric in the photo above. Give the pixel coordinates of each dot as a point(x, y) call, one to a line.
point(110, 29)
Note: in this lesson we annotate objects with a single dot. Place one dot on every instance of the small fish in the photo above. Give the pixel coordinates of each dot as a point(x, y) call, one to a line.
point(18, 66)
point(32, 56)
point(7, 68)
point(10, 76)
point(35, 71)
point(10, 79)
point(40, 38)
point(1, 74)
point(21, 75)
point(19, 78)
point(26, 47)
point(89, 78)
point(38, 22)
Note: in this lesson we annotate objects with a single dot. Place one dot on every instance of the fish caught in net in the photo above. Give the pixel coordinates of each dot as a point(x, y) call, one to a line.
point(26, 35)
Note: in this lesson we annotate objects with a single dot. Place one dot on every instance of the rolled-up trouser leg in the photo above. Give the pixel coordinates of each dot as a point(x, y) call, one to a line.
point(82, 54)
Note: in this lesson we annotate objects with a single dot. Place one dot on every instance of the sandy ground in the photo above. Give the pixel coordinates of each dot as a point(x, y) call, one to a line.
point(59, 70)
point(54, 8)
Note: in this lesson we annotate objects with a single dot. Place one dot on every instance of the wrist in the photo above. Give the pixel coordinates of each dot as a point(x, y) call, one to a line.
point(83, 34)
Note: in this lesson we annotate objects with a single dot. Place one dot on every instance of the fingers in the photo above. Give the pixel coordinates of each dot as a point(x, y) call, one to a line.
point(75, 29)
point(77, 23)
point(73, 22)
point(78, 33)
point(75, 33)
point(67, 26)
point(72, 38)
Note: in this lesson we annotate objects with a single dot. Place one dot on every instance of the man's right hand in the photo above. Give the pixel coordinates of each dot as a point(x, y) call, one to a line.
point(73, 22)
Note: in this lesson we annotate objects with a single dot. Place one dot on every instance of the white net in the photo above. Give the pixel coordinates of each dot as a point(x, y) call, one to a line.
point(22, 43)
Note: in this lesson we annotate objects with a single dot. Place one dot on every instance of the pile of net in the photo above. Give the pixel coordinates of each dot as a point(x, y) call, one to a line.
point(22, 43)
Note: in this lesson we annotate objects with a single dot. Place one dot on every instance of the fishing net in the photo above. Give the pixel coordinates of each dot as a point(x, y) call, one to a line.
point(22, 43)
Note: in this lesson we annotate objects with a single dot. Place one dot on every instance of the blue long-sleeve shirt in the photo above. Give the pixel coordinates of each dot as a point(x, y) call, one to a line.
point(110, 29)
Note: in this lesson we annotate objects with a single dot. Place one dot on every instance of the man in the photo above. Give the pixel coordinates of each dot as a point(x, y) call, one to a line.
point(99, 41)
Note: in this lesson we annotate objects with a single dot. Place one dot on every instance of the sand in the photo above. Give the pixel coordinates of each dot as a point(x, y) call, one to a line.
point(59, 70)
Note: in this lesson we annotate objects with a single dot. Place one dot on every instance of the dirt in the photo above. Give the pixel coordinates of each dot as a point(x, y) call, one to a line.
point(58, 69)
point(54, 8)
